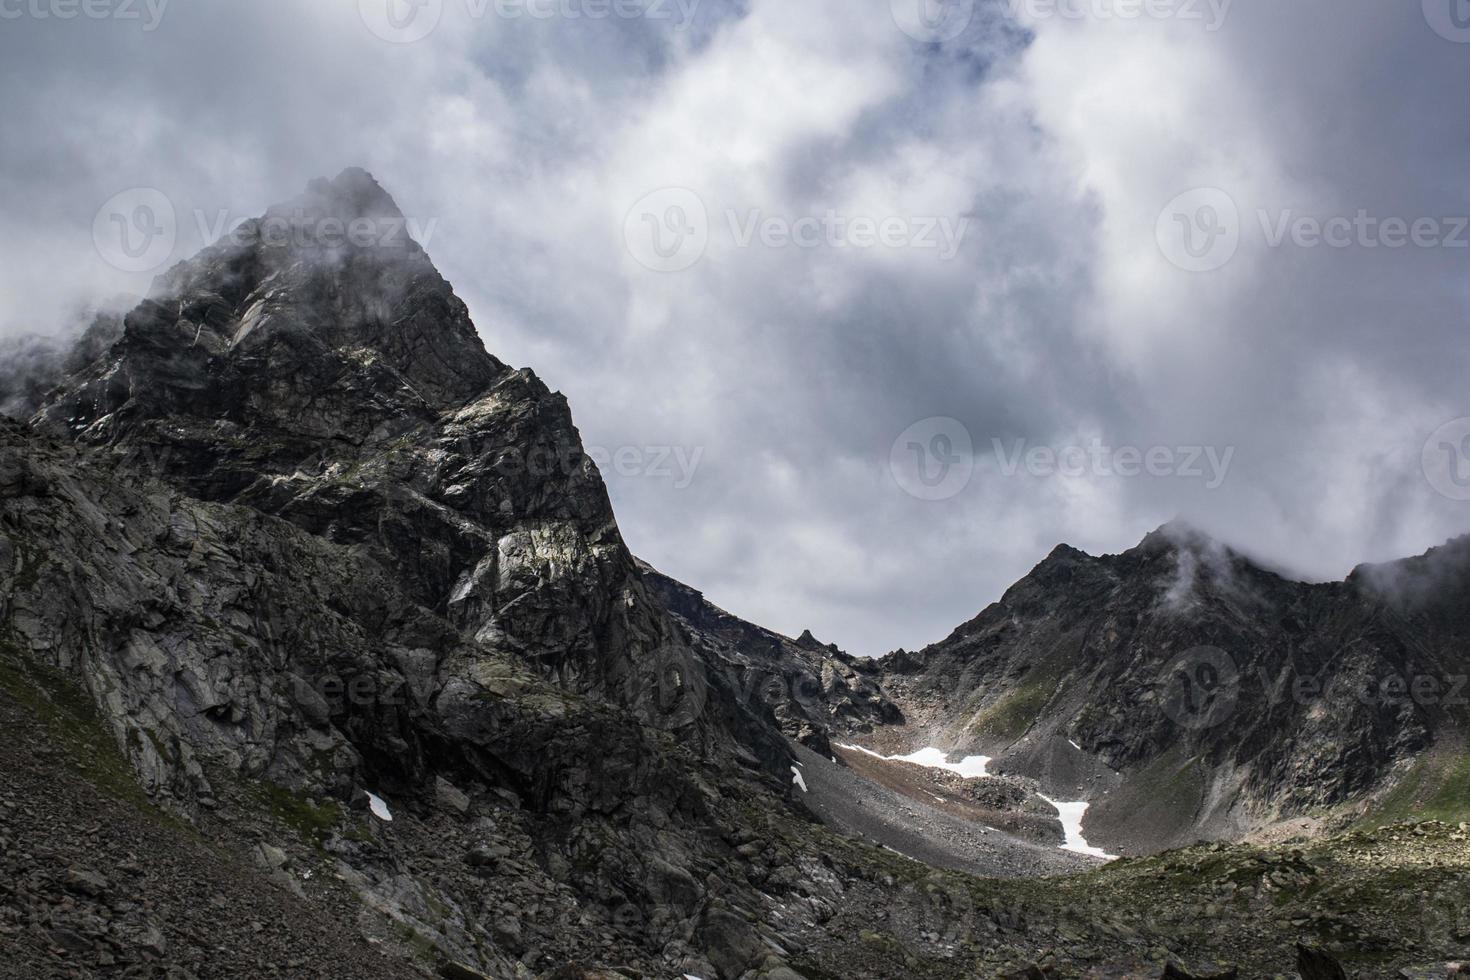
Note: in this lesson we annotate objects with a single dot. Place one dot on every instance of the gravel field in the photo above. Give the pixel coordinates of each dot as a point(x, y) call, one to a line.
point(850, 804)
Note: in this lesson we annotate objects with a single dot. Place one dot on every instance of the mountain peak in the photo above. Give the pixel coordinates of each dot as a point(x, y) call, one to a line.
point(1065, 552)
point(352, 194)
point(325, 302)
point(809, 642)
point(1179, 535)
point(1439, 575)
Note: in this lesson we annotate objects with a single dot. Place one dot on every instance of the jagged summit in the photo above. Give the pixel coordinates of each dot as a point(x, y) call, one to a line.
point(1430, 586)
point(354, 193)
point(809, 642)
point(1177, 533)
point(1064, 552)
point(349, 226)
point(1447, 559)
point(321, 319)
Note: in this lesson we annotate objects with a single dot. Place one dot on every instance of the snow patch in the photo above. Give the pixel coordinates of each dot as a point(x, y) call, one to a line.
point(975, 767)
point(1071, 817)
point(379, 808)
point(970, 767)
point(796, 778)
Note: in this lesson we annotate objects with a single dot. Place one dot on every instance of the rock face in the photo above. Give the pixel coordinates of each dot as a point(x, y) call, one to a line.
point(296, 528)
point(31, 366)
point(93, 886)
point(1189, 692)
point(816, 691)
point(336, 381)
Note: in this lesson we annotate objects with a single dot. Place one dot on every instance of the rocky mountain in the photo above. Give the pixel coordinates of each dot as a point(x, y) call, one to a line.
point(1188, 692)
point(297, 528)
point(339, 384)
point(32, 365)
point(322, 655)
point(816, 691)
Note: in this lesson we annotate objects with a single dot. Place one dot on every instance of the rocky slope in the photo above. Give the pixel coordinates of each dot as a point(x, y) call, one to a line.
point(817, 692)
point(31, 366)
point(94, 879)
point(99, 881)
point(323, 656)
point(301, 537)
point(339, 384)
point(1188, 692)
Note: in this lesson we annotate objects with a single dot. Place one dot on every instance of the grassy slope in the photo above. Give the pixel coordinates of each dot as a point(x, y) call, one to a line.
point(1437, 787)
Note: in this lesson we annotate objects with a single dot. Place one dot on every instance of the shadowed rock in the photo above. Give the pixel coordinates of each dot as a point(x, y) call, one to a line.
point(1317, 964)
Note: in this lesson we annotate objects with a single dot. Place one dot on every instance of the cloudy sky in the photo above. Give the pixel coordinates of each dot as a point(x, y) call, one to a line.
point(879, 301)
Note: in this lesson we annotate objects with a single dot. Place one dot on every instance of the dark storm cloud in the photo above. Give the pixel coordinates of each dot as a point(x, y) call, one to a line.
point(790, 364)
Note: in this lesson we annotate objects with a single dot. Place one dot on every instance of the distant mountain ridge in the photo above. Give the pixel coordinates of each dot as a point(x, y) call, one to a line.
point(1189, 692)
